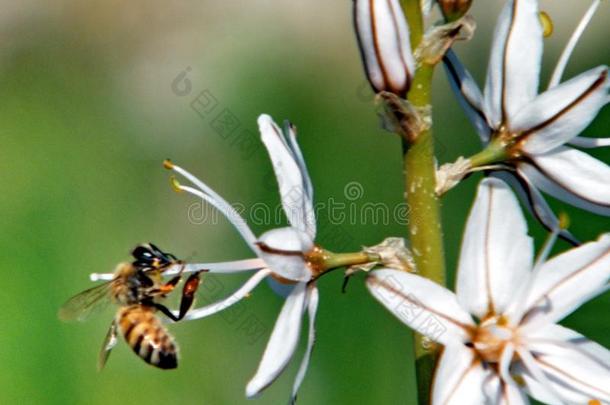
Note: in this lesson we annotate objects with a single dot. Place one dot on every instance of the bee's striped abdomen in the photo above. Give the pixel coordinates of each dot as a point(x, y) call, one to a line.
point(147, 337)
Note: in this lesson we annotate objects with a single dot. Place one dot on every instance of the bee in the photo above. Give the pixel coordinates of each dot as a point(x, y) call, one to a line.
point(137, 288)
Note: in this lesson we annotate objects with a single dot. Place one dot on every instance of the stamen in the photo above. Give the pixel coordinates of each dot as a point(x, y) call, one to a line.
point(567, 52)
point(237, 266)
point(229, 212)
point(175, 184)
point(209, 195)
point(237, 296)
point(168, 164)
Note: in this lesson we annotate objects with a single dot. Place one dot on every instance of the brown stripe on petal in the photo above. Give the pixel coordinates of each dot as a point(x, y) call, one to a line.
point(590, 90)
point(402, 90)
point(504, 59)
point(376, 45)
point(565, 374)
point(454, 74)
point(558, 182)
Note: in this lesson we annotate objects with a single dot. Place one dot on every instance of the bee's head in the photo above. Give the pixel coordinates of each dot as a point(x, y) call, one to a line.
point(149, 257)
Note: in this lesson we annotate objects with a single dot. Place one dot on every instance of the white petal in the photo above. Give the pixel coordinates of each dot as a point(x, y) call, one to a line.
point(234, 298)
point(468, 94)
point(560, 114)
point(293, 181)
point(496, 254)
point(422, 305)
point(572, 176)
point(567, 281)
point(312, 308)
point(383, 36)
point(534, 388)
point(282, 249)
point(459, 378)
point(575, 375)
point(500, 392)
point(554, 334)
point(514, 66)
point(589, 143)
point(282, 343)
point(535, 202)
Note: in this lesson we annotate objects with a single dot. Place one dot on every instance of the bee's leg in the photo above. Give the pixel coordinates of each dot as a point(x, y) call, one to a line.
point(188, 296)
point(188, 293)
point(109, 342)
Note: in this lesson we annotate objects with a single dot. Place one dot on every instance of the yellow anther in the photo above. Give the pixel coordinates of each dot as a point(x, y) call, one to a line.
point(564, 220)
point(547, 24)
point(594, 402)
point(519, 380)
point(168, 164)
point(175, 184)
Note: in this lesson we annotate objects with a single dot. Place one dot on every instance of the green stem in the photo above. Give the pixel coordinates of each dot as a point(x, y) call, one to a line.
point(425, 229)
point(495, 152)
point(334, 260)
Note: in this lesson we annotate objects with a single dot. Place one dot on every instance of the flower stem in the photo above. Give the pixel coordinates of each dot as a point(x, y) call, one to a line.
point(425, 229)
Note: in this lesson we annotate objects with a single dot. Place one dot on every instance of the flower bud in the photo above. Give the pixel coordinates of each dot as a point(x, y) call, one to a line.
point(454, 9)
point(383, 37)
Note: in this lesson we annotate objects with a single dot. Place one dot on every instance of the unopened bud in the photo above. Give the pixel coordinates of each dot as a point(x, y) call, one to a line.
point(454, 9)
point(383, 36)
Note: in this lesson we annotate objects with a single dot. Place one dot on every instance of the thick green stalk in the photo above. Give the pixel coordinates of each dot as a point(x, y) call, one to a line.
point(425, 229)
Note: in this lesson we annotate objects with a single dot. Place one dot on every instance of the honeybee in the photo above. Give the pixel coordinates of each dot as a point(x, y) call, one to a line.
point(137, 288)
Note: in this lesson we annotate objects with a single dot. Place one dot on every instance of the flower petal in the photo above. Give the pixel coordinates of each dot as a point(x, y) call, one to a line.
point(234, 298)
point(496, 255)
point(422, 305)
point(554, 334)
point(567, 281)
point(589, 143)
point(292, 176)
point(514, 66)
point(282, 249)
point(383, 37)
point(468, 94)
point(501, 392)
point(572, 176)
point(531, 197)
point(574, 374)
point(282, 343)
point(560, 114)
point(459, 377)
point(312, 308)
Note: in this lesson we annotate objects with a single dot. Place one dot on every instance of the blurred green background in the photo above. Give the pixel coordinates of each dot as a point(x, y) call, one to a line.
point(88, 113)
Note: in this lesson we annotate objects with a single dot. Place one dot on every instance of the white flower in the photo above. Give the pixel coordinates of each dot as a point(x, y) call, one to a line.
point(500, 328)
point(532, 130)
point(383, 36)
point(282, 255)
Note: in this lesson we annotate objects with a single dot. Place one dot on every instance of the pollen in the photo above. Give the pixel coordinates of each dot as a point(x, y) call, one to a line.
point(564, 220)
point(168, 164)
point(175, 184)
point(594, 402)
point(547, 24)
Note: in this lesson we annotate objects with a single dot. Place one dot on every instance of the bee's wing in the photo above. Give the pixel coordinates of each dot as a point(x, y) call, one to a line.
point(109, 342)
point(86, 303)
